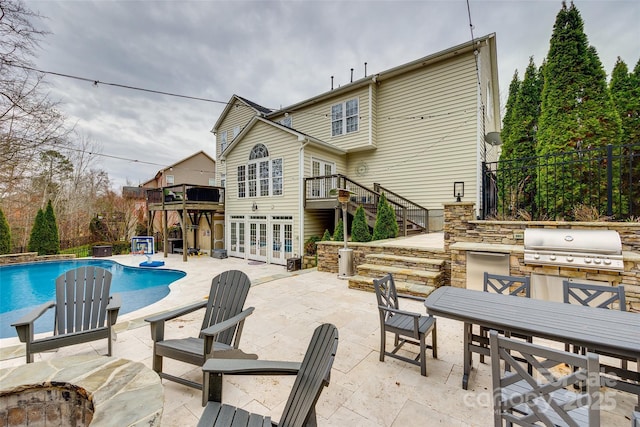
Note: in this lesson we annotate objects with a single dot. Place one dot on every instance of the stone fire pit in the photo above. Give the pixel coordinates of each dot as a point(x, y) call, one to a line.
point(80, 391)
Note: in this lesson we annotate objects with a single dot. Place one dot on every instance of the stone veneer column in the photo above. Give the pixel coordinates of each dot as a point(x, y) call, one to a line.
point(456, 223)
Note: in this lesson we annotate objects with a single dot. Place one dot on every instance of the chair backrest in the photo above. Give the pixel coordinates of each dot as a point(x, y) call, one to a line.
point(386, 293)
point(227, 296)
point(82, 296)
point(600, 296)
point(313, 376)
point(509, 285)
point(524, 399)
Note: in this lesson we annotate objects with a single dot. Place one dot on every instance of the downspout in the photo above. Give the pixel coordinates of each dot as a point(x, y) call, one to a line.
point(374, 80)
point(302, 139)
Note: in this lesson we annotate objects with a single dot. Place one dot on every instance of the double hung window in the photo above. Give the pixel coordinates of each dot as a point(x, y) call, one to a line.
point(344, 117)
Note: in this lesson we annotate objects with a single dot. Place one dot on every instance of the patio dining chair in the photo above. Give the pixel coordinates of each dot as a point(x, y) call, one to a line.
point(523, 398)
point(407, 327)
point(84, 312)
point(505, 285)
point(312, 375)
point(220, 331)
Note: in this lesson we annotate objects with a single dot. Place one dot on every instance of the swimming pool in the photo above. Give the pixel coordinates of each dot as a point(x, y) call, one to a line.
point(25, 286)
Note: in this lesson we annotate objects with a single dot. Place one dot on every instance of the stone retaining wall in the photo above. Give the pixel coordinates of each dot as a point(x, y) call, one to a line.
point(32, 257)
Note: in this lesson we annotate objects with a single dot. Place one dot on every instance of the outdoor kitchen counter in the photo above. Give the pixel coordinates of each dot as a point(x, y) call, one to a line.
point(487, 247)
point(498, 248)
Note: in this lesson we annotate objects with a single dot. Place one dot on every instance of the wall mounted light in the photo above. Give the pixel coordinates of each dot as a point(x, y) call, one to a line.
point(254, 207)
point(458, 190)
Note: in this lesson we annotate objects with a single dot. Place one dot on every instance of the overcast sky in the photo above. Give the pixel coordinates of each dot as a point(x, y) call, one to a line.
point(274, 53)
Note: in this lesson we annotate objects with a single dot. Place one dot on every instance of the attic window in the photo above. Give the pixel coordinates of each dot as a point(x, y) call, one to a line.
point(286, 121)
point(258, 151)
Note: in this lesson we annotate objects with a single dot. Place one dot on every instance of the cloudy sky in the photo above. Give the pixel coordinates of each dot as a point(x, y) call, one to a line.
point(272, 52)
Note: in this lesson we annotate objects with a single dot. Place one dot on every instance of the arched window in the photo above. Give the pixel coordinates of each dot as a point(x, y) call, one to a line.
point(258, 151)
point(261, 176)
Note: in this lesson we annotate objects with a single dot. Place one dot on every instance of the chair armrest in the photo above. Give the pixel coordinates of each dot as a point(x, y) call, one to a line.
point(157, 322)
point(394, 310)
point(24, 325)
point(226, 324)
point(250, 367)
point(115, 302)
point(169, 315)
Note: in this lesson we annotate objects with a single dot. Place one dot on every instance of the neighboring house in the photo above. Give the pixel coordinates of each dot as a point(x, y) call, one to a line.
point(411, 131)
point(199, 169)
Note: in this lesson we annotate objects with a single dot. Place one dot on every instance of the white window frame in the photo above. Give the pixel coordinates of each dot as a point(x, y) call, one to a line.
point(170, 179)
point(261, 176)
point(242, 181)
point(223, 141)
point(223, 180)
point(236, 131)
point(345, 120)
point(212, 182)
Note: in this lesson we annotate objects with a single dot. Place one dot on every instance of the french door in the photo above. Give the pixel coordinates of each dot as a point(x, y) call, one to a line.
point(281, 239)
point(320, 188)
point(258, 238)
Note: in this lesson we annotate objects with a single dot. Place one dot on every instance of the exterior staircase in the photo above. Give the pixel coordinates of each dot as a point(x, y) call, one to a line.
point(416, 276)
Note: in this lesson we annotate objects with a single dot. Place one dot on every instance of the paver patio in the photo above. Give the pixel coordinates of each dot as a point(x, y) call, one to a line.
point(363, 390)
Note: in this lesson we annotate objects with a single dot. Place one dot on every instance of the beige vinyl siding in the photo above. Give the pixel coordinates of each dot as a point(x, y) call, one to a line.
point(237, 116)
point(316, 120)
point(315, 222)
point(195, 170)
point(420, 158)
point(280, 145)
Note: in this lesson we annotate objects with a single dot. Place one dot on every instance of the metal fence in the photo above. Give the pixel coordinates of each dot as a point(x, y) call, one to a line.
point(587, 184)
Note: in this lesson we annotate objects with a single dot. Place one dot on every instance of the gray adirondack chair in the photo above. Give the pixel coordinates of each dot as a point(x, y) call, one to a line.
point(522, 398)
point(407, 327)
point(84, 312)
point(312, 375)
point(505, 285)
point(220, 331)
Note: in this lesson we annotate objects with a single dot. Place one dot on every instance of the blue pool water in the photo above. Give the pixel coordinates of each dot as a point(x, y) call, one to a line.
point(25, 286)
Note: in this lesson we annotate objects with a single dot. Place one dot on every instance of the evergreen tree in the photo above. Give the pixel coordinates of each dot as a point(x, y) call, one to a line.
point(37, 234)
point(625, 92)
point(518, 174)
point(338, 233)
point(5, 235)
point(52, 237)
point(326, 236)
point(386, 226)
point(576, 114)
point(508, 112)
point(359, 228)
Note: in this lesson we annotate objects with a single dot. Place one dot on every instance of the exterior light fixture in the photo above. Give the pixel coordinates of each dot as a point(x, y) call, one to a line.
point(458, 190)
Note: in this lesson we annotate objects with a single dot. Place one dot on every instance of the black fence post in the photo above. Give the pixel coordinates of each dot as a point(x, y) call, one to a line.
point(609, 180)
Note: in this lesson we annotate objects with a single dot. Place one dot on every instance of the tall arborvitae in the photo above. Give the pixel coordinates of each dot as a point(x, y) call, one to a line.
point(508, 113)
point(52, 239)
point(386, 226)
point(5, 235)
point(37, 234)
point(625, 91)
point(518, 173)
point(576, 113)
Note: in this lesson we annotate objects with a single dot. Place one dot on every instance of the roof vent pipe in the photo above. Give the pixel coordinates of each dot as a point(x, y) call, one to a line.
point(352, 75)
point(365, 69)
point(331, 82)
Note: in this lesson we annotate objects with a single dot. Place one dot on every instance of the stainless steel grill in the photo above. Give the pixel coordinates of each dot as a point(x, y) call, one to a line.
point(592, 249)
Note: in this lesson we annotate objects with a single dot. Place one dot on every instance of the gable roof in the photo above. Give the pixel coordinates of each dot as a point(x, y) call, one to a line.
point(392, 72)
point(302, 137)
point(235, 99)
point(161, 171)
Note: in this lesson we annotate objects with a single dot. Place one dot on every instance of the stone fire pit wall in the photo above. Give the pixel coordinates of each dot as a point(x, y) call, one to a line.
point(95, 391)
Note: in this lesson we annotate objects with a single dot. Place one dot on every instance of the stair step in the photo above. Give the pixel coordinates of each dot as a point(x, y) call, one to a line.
point(366, 283)
point(405, 261)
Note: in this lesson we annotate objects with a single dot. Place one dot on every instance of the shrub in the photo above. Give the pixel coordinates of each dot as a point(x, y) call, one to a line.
point(386, 224)
point(338, 233)
point(326, 237)
point(360, 228)
point(310, 247)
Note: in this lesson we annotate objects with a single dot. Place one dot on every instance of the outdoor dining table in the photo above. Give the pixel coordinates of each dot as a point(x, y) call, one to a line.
point(614, 332)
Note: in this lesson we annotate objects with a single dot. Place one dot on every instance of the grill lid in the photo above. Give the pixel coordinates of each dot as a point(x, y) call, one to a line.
point(582, 241)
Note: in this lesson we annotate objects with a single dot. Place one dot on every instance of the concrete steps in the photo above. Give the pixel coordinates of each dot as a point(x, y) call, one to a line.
point(412, 275)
